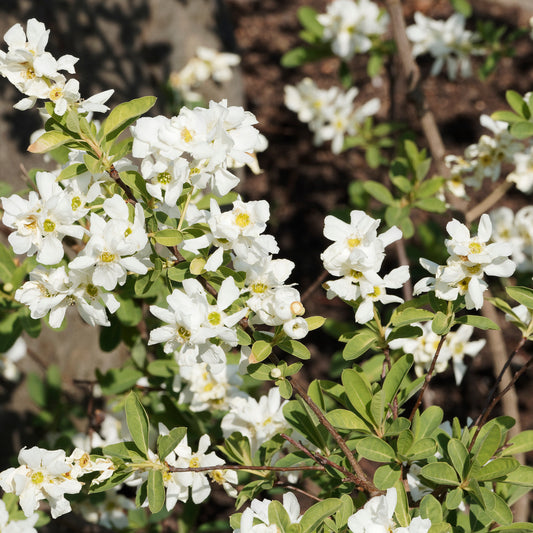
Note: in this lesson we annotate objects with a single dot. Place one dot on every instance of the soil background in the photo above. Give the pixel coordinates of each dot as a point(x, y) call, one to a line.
point(134, 45)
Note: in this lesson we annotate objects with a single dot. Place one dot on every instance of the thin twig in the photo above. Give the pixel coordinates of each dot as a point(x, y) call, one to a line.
point(427, 379)
point(112, 171)
point(488, 202)
point(361, 477)
point(314, 286)
point(497, 398)
point(297, 489)
point(244, 467)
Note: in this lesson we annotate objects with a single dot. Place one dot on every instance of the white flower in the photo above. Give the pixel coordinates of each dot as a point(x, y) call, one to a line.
point(376, 515)
point(82, 464)
point(350, 26)
point(110, 513)
point(258, 420)
point(8, 369)
point(43, 475)
point(447, 41)
point(522, 175)
point(16, 526)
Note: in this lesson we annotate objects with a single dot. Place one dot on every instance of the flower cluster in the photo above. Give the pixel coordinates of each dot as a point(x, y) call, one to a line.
point(470, 258)
point(356, 256)
point(36, 73)
point(485, 158)
point(352, 26)
point(207, 64)
point(447, 41)
point(16, 526)
point(376, 517)
point(8, 369)
point(49, 475)
point(456, 345)
point(515, 229)
point(196, 147)
point(257, 519)
point(330, 113)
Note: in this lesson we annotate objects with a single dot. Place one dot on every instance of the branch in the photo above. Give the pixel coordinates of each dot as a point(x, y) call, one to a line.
point(415, 93)
point(427, 379)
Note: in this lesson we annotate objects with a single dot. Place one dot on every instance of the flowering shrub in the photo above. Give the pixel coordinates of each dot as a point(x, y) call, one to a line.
point(140, 229)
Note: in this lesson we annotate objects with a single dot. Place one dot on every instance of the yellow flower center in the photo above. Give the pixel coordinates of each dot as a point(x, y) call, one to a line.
point(55, 94)
point(164, 178)
point(184, 334)
point(375, 293)
point(354, 242)
point(107, 257)
point(258, 287)
point(127, 232)
point(194, 170)
point(242, 220)
point(84, 460)
point(194, 462)
point(37, 477)
point(214, 318)
point(30, 73)
point(186, 135)
point(91, 290)
point(209, 387)
point(218, 476)
point(49, 225)
point(475, 269)
point(355, 274)
point(475, 248)
point(463, 284)
point(76, 203)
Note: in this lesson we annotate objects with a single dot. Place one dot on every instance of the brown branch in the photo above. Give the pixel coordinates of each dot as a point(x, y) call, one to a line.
point(361, 478)
point(427, 379)
point(488, 202)
point(497, 398)
point(297, 489)
point(415, 93)
point(112, 171)
point(244, 467)
point(314, 286)
point(324, 461)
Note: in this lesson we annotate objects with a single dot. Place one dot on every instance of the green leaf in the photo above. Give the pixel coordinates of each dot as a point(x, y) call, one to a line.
point(300, 55)
point(156, 491)
point(117, 380)
point(442, 323)
point(285, 388)
point(521, 443)
point(522, 130)
point(517, 527)
point(358, 391)
point(168, 237)
point(308, 19)
point(129, 314)
point(386, 476)
point(459, 457)
point(422, 449)
point(409, 315)
point(167, 443)
point(261, 350)
point(360, 343)
point(522, 476)
point(440, 473)
point(116, 479)
point(49, 141)
point(123, 450)
point(123, 115)
point(137, 421)
point(495, 469)
point(375, 449)
point(136, 183)
point(516, 101)
point(454, 498)
point(315, 515)
point(315, 322)
point(431, 508)
point(344, 419)
point(295, 348)
point(433, 205)
point(463, 7)
point(402, 183)
point(477, 321)
point(395, 376)
point(404, 442)
point(402, 505)
point(72, 171)
point(506, 116)
point(499, 511)
point(523, 295)
point(379, 192)
point(487, 444)
point(429, 187)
